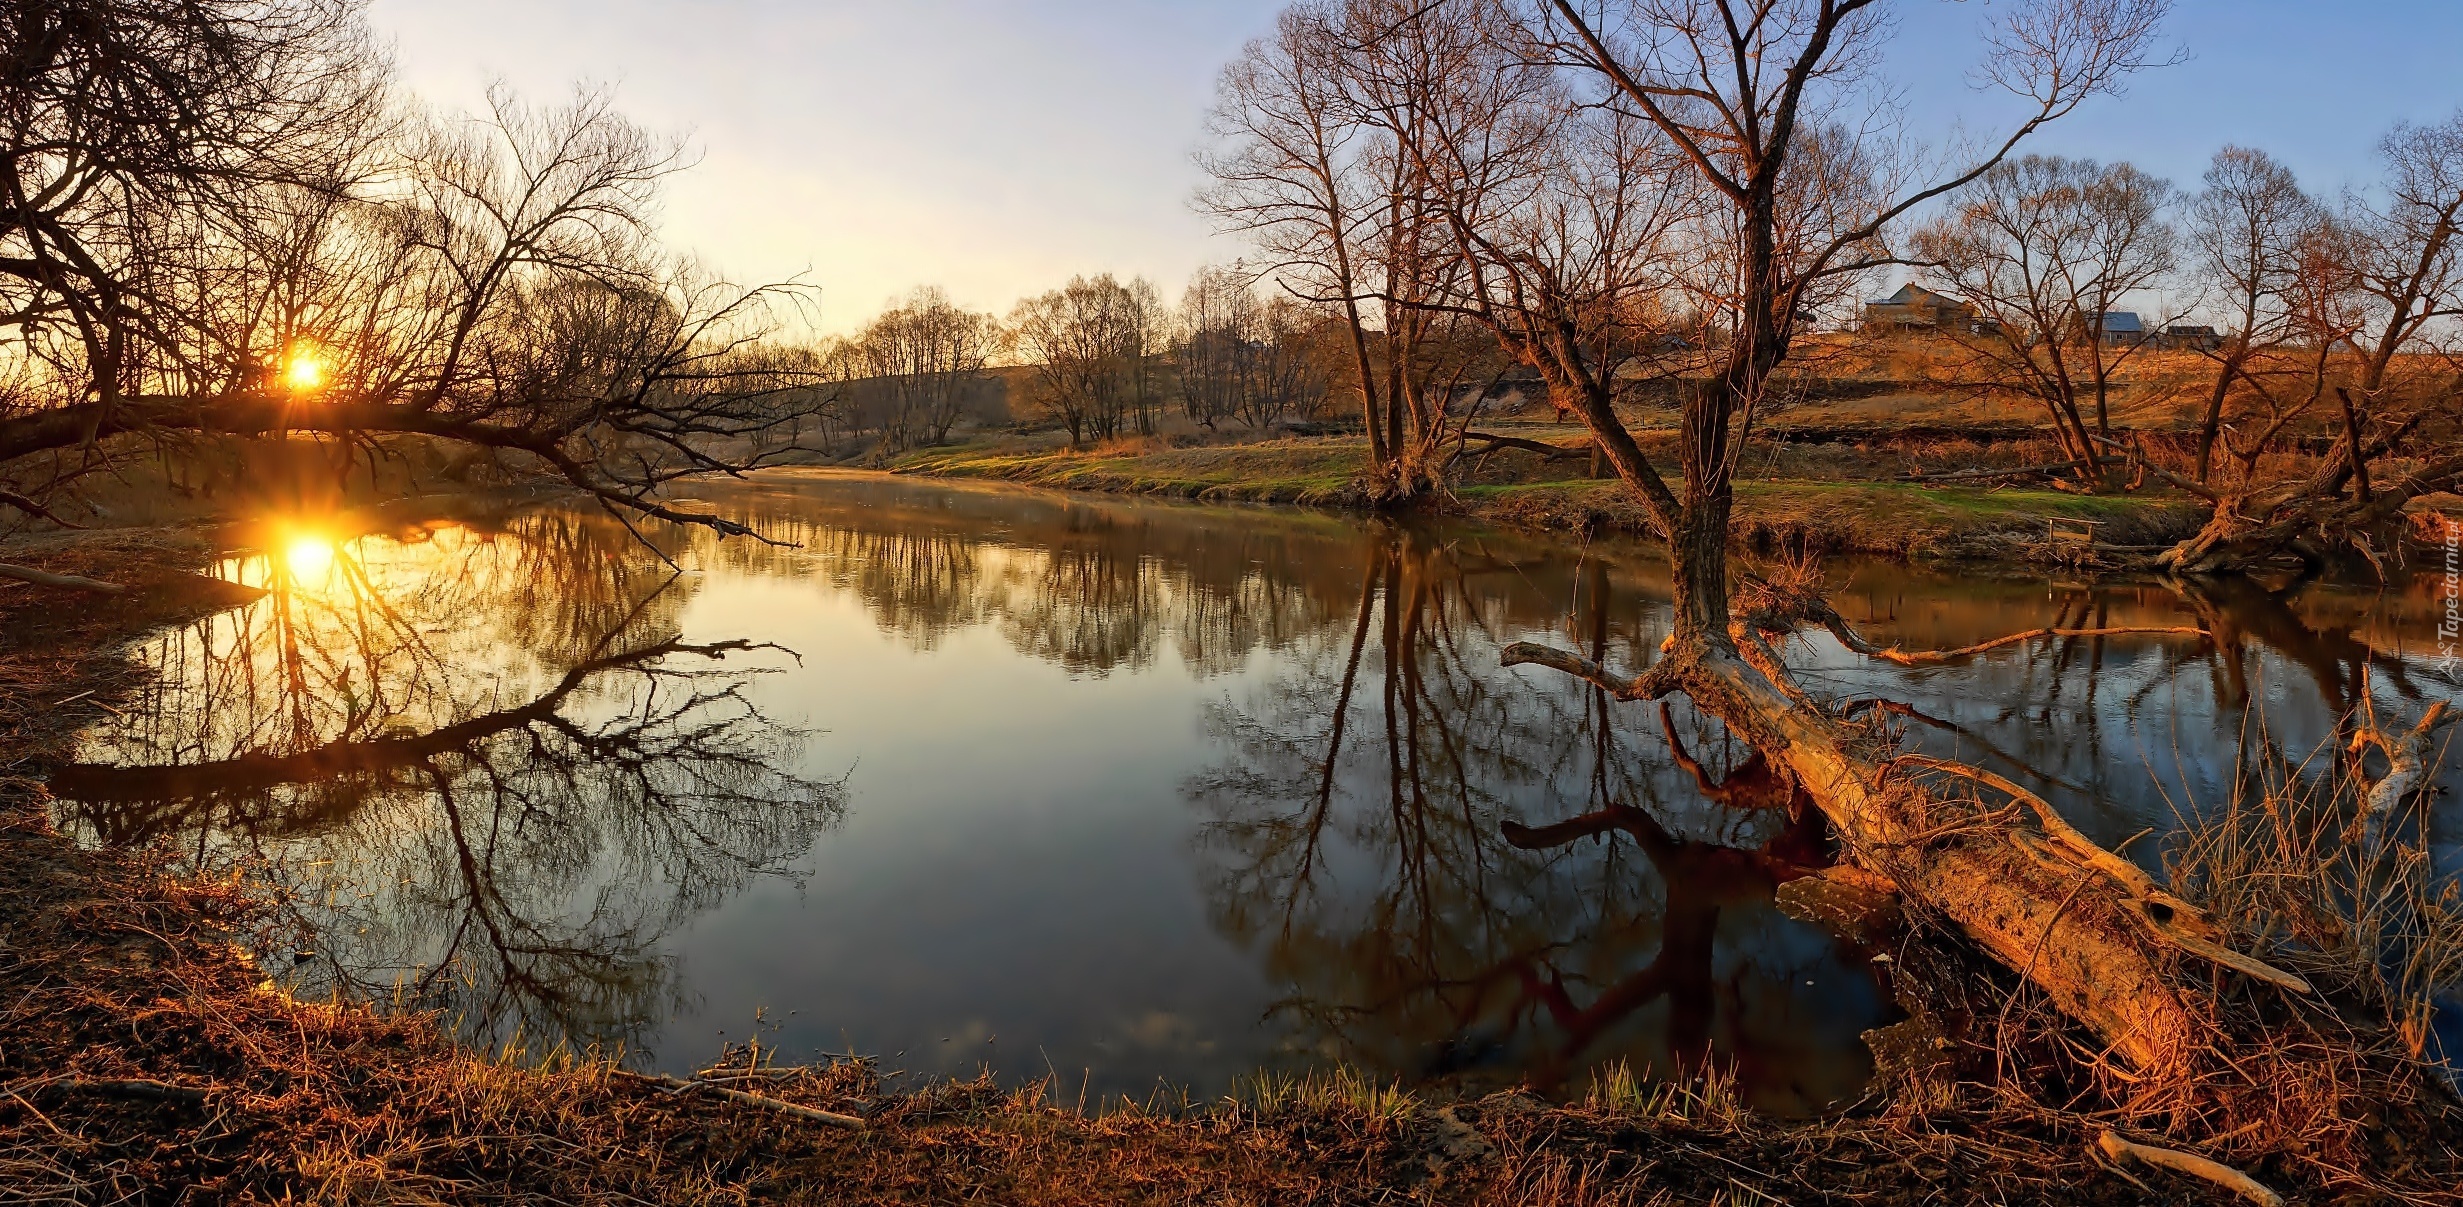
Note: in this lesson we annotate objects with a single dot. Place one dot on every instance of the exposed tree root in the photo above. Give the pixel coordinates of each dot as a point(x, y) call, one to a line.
point(2308, 520)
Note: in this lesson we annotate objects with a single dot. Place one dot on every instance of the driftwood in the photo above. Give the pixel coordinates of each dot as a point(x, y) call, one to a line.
point(2407, 770)
point(1985, 475)
point(2122, 1152)
point(677, 1085)
point(45, 578)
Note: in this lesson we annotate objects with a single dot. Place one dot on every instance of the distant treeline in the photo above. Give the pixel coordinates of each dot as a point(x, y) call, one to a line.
point(1097, 357)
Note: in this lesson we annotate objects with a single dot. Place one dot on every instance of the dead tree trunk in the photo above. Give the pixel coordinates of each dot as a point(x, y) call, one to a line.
point(2311, 520)
point(2088, 928)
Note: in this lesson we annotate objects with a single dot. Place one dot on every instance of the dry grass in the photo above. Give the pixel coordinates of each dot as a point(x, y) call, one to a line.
point(2283, 867)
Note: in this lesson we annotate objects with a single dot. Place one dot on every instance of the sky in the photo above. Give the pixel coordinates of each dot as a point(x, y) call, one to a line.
point(996, 147)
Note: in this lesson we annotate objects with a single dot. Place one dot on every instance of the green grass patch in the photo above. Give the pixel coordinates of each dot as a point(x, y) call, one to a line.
point(1313, 472)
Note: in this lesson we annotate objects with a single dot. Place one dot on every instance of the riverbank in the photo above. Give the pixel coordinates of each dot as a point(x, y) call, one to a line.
point(144, 1059)
point(1831, 498)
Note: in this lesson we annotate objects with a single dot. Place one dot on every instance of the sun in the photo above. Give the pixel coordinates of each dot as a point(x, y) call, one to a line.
point(307, 556)
point(304, 372)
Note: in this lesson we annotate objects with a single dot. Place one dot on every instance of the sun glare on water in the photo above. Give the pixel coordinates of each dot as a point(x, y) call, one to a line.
point(308, 556)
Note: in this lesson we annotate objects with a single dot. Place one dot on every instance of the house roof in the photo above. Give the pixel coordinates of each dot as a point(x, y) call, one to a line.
point(2123, 321)
point(1911, 294)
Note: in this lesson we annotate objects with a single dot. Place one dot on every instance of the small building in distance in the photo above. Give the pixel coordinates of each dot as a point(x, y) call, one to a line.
point(1915, 308)
point(2188, 337)
point(2116, 327)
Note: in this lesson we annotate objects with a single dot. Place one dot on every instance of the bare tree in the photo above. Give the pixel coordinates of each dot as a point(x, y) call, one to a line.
point(209, 227)
point(122, 119)
point(2247, 227)
point(1145, 335)
point(1738, 89)
point(1293, 377)
point(2381, 289)
point(1312, 164)
point(1090, 345)
point(1218, 354)
point(1561, 224)
point(925, 359)
point(2046, 250)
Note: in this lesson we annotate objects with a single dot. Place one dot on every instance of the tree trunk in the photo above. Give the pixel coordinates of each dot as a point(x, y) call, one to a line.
point(2087, 928)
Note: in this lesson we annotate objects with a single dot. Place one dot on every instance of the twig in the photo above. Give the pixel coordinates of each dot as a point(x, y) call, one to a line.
point(1849, 637)
point(30, 507)
point(2122, 1151)
point(126, 1087)
point(1647, 685)
point(679, 1086)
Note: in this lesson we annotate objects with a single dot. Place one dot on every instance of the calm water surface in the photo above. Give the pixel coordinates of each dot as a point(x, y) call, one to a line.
point(1127, 793)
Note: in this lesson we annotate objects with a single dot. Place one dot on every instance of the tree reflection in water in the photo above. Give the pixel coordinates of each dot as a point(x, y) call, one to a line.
point(483, 763)
point(1457, 871)
point(494, 769)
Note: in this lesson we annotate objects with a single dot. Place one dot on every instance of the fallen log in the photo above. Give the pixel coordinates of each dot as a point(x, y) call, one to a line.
point(2063, 918)
point(1985, 475)
point(45, 578)
point(1553, 452)
point(2167, 917)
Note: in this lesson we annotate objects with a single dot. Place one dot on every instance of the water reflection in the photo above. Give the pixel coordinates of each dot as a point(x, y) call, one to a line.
point(1459, 872)
point(1145, 790)
point(489, 771)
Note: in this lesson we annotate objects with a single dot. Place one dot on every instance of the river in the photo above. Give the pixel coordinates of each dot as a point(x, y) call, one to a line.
point(1141, 797)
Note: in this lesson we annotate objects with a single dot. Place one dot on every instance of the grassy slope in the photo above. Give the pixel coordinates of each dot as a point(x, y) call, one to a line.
point(1890, 519)
point(1845, 516)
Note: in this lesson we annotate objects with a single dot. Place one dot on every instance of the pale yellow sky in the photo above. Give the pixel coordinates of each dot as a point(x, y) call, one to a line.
point(991, 148)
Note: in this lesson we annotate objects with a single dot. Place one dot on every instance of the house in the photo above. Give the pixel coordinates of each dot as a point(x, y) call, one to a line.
point(1915, 308)
point(2191, 338)
point(2117, 327)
